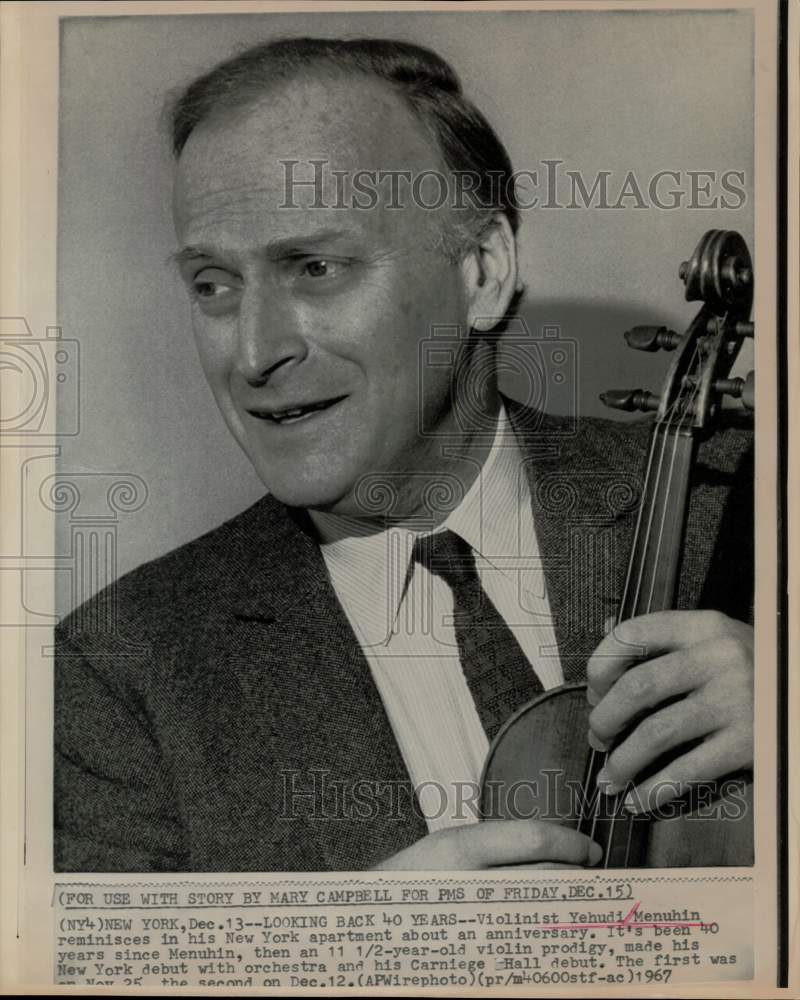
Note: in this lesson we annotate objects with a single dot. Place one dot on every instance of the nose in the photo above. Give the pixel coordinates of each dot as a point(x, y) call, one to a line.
point(270, 337)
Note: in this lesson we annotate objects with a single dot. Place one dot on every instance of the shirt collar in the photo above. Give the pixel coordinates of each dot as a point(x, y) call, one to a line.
point(488, 518)
point(369, 570)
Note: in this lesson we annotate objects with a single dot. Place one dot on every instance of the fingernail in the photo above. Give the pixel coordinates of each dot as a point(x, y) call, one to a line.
point(592, 696)
point(597, 744)
point(595, 853)
point(606, 785)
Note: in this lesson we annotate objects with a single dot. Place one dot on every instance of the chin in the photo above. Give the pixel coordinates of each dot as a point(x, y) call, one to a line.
point(309, 493)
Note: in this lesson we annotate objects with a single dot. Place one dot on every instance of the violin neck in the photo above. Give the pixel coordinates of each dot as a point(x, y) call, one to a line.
point(650, 585)
point(652, 578)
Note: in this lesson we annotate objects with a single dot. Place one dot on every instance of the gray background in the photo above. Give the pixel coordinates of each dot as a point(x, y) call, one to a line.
point(622, 91)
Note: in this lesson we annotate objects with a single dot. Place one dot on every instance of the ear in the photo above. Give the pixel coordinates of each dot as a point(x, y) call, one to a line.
point(490, 274)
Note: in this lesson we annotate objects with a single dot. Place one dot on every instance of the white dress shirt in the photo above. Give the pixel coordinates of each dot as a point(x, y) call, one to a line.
point(402, 616)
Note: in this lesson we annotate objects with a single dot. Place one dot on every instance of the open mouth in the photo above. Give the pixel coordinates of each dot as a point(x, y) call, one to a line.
point(296, 413)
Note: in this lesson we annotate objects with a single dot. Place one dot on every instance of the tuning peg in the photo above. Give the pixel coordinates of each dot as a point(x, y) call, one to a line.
point(630, 399)
point(739, 388)
point(652, 338)
point(743, 328)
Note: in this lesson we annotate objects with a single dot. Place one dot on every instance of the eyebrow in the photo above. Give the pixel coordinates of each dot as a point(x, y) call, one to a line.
point(273, 250)
point(185, 254)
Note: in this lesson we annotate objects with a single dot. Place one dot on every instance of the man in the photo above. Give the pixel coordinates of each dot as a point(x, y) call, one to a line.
point(309, 686)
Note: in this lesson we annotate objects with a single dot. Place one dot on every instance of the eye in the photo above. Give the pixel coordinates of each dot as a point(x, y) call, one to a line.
point(208, 286)
point(321, 268)
point(214, 286)
point(208, 289)
point(322, 275)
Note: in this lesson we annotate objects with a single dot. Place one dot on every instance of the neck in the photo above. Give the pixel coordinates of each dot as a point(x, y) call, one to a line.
point(450, 465)
point(445, 467)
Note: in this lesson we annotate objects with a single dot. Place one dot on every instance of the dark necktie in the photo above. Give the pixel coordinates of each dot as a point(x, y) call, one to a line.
point(498, 673)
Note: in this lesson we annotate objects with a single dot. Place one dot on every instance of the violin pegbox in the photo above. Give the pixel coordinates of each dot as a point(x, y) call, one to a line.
point(719, 274)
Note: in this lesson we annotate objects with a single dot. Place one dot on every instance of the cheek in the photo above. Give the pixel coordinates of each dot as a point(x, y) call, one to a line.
point(212, 350)
point(418, 367)
point(403, 331)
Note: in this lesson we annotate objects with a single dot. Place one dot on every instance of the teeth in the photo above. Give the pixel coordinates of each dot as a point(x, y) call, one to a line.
point(299, 411)
point(279, 416)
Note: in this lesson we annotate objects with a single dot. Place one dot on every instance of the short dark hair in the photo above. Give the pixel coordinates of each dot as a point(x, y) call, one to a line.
point(425, 82)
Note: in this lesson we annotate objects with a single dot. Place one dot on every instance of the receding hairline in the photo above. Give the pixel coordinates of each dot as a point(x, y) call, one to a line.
point(457, 137)
point(404, 65)
point(245, 100)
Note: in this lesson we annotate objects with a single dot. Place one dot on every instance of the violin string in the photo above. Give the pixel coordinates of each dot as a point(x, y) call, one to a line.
point(650, 500)
point(595, 792)
point(590, 797)
point(684, 410)
point(593, 801)
point(659, 541)
point(631, 821)
point(684, 418)
point(586, 790)
point(647, 494)
point(662, 428)
point(637, 529)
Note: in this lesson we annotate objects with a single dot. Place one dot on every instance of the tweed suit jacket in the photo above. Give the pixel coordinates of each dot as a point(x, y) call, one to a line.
point(213, 709)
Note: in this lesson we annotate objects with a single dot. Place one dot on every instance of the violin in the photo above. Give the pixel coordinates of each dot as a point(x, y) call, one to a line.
point(539, 751)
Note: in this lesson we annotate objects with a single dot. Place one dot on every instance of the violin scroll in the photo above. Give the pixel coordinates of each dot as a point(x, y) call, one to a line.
point(720, 273)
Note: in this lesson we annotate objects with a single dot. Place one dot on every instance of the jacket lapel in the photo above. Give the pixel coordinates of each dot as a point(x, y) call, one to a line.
point(326, 729)
point(585, 484)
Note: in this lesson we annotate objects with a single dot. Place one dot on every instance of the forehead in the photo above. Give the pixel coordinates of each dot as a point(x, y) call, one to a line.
point(247, 163)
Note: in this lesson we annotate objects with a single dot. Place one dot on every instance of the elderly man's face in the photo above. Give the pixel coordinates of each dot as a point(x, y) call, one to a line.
point(309, 320)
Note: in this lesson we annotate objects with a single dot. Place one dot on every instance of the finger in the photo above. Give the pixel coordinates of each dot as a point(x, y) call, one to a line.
point(685, 720)
point(538, 864)
point(714, 758)
point(620, 648)
point(495, 843)
point(519, 841)
point(641, 687)
point(645, 637)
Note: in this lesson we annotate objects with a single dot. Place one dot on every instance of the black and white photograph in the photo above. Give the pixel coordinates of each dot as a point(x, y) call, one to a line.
point(409, 496)
point(406, 329)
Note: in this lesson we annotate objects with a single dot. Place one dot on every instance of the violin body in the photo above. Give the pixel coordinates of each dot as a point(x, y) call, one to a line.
point(536, 768)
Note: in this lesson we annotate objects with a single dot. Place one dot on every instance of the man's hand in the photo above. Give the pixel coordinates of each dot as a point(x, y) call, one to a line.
point(702, 658)
point(526, 843)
